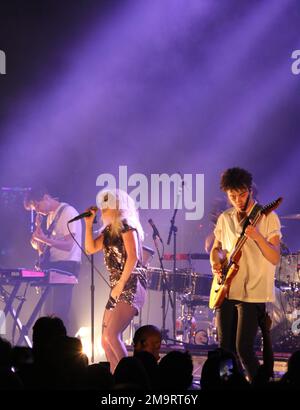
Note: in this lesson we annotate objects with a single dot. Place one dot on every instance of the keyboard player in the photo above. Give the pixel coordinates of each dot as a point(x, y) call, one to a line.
point(56, 247)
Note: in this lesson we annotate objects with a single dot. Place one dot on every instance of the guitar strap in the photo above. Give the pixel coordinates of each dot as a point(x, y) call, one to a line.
point(257, 207)
point(254, 211)
point(55, 220)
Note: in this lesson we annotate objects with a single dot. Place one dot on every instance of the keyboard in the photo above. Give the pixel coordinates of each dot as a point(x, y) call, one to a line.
point(51, 277)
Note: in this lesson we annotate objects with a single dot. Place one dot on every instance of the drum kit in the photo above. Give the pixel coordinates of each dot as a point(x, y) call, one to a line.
point(194, 322)
point(285, 311)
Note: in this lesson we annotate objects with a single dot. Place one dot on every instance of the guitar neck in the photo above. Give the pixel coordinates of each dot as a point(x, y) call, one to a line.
point(243, 238)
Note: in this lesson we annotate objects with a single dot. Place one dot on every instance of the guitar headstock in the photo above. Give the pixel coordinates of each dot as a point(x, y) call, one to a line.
point(271, 206)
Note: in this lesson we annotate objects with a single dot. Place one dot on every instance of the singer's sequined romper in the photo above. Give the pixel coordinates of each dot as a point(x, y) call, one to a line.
point(115, 258)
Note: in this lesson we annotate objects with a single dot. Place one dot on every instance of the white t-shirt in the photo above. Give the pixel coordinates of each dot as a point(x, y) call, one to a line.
point(61, 230)
point(254, 281)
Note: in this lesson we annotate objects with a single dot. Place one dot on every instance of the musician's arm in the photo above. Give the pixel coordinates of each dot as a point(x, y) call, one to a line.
point(269, 248)
point(92, 245)
point(209, 241)
point(64, 244)
point(215, 260)
point(34, 244)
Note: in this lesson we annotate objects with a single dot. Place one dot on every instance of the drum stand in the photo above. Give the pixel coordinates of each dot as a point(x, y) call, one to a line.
point(289, 341)
point(173, 231)
point(186, 322)
point(165, 288)
point(187, 331)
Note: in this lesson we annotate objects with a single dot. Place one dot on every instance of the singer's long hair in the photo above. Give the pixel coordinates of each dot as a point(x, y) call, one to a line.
point(125, 210)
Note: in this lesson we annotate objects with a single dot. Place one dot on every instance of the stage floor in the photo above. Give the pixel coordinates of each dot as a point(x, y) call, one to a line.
point(199, 355)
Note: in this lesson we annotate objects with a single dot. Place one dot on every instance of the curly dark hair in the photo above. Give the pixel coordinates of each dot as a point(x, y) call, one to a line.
point(236, 178)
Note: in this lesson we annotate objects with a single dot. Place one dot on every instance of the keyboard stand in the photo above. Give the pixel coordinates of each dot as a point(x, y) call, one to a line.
point(23, 329)
point(43, 280)
point(9, 301)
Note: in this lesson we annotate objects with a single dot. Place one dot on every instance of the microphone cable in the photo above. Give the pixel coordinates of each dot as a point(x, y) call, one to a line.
point(87, 256)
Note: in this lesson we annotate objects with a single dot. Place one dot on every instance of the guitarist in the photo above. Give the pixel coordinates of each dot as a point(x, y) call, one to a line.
point(55, 245)
point(242, 310)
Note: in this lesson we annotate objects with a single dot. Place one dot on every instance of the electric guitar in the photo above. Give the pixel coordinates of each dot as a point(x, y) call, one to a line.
point(38, 246)
point(221, 284)
point(42, 248)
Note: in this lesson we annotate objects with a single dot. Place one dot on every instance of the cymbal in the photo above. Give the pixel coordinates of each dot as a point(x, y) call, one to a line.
point(148, 250)
point(185, 256)
point(291, 216)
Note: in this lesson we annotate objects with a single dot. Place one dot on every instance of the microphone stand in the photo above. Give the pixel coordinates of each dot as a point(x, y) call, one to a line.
point(92, 307)
point(173, 230)
point(164, 288)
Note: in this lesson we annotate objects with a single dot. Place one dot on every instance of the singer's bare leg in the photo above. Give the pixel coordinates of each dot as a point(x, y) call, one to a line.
point(114, 323)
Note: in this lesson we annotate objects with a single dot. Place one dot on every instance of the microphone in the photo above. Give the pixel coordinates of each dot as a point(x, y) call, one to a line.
point(83, 215)
point(155, 231)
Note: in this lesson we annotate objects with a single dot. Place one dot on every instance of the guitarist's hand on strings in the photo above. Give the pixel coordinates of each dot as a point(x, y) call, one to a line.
point(252, 232)
point(217, 269)
point(39, 236)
